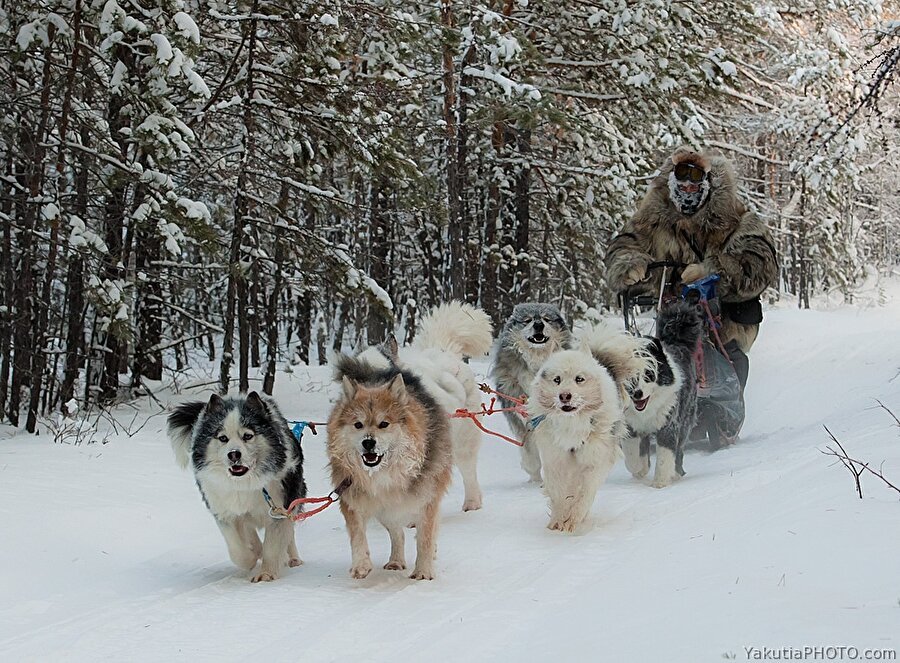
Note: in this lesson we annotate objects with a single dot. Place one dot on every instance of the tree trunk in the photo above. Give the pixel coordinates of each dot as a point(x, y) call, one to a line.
point(303, 321)
point(7, 299)
point(236, 297)
point(471, 241)
point(253, 315)
point(148, 361)
point(75, 292)
point(491, 263)
point(802, 253)
point(321, 339)
point(522, 283)
point(454, 276)
point(379, 249)
point(272, 320)
point(75, 285)
point(342, 313)
point(114, 213)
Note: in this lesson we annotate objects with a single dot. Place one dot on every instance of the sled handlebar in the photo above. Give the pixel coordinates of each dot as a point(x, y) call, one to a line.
point(636, 294)
point(658, 264)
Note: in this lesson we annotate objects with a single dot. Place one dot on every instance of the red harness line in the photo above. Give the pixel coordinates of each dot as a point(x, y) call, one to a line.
point(488, 389)
point(299, 516)
point(517, 407)
point(698, 353)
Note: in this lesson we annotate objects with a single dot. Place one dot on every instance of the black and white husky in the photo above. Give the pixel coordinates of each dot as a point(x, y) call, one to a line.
point(662, 399)
point(530, 336)
point(237, 447)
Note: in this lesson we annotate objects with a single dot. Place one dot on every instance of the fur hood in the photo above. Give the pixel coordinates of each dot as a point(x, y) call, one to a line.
point(719, 216)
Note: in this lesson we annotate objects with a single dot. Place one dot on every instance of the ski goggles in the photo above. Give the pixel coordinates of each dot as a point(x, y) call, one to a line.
point(689, 172)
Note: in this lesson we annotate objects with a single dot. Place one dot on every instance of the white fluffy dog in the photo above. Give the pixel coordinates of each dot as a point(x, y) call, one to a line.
point(577, 423)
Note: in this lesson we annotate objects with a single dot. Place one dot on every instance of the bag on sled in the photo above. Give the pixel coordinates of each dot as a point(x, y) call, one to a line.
point(720, 396)
point(720, 399)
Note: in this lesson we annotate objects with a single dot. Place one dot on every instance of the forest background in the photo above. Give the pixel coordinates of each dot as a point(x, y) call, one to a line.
point(248, 185)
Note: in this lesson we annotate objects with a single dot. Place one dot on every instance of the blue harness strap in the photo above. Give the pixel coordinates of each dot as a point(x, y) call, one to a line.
point(299, 427)
point(536, 421)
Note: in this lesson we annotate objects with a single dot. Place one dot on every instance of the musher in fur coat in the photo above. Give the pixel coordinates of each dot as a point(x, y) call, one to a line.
point(692, 215)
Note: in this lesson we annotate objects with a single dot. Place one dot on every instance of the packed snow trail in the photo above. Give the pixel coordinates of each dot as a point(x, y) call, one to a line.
point(109, 554)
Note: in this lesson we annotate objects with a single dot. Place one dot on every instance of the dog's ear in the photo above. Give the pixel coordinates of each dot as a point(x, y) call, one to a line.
point(215, 404)
point(397, 388)
point(350, 387)
point(256, 403)
point(656, 350)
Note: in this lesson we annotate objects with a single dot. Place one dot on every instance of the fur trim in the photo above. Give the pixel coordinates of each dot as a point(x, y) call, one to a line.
point(685, 154)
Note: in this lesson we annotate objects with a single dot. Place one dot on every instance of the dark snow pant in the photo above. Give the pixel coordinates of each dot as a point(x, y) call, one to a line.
point(740, 361)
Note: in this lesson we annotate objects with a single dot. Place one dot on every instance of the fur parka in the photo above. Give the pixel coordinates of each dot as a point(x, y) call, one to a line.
point(723, 236)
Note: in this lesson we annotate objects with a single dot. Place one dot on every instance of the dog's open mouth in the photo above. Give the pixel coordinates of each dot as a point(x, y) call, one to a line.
point(567, 408)
point(639, 405)
point(538, 339)
point(371, 459)
point(238, 470)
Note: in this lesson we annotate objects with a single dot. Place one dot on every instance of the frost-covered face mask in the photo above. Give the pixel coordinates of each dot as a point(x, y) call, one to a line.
point(688, 187)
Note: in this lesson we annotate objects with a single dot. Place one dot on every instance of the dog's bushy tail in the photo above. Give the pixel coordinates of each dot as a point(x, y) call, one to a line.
point(181, 425)
point(458, 328)
point(624, 356)
point(679, 323)
point(359, 369)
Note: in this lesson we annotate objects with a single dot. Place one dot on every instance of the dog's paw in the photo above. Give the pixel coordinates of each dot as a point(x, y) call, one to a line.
point(265, 576)
point(361, 570)
point(638, 467)
point(637, 464)
point(294, 562)
point(568, 526)
point(395, 565)
point(662, 482)
point(562, 525)
point(245, 560)
point(422, 574)
point(472, 504)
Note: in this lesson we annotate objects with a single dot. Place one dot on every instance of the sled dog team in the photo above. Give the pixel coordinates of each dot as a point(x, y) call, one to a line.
point(391, 443)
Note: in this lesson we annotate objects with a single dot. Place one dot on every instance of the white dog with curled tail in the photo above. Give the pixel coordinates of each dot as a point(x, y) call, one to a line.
point(576, 425)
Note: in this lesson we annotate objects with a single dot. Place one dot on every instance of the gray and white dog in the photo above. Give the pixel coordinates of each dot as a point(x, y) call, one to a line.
point(662, 399)
point(237, 447)
point(532, 333)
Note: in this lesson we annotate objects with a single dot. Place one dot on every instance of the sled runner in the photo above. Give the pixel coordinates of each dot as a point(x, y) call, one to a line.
point(720, 397)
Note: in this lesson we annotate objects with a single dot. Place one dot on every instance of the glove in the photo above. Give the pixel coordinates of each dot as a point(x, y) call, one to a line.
point(694, 272)
point(635, 274)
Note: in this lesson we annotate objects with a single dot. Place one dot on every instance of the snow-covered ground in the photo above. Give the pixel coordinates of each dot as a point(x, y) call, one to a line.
point(107, 552)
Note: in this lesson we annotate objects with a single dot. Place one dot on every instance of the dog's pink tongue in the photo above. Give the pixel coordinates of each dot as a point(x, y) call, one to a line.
point(641, 404)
